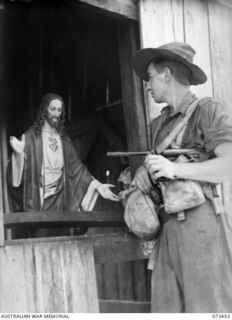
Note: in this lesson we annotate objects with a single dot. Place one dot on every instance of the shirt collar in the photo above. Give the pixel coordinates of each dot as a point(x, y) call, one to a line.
point(187, 100)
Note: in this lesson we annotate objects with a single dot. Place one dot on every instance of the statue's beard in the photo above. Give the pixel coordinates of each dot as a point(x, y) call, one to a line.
point(53, 121)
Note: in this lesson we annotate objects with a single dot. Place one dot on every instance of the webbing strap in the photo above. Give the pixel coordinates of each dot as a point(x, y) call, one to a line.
point(178, 131)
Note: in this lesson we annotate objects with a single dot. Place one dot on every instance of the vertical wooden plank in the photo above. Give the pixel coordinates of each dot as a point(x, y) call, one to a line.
point(110, 284)
point(161, 21)
point(106, 274)
point(220, 24)
point(141, 291)
point(3, 179)
point(133, 105)
point(1, 206)
point(48, 277)
point(221, 46)
point(196, 26)
point(125, 281)
point(4, 151)
point(100, 281)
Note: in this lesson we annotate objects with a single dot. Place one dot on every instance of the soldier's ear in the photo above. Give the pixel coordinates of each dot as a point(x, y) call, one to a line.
point(167, 74)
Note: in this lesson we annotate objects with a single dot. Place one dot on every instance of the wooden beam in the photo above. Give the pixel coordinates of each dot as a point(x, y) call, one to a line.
point(226, 3)
point(124, 8)
point(119, 306)
point(108, 248)
point(64, 219)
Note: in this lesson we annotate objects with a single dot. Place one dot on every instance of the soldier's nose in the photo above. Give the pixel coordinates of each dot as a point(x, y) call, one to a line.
point(148, 87)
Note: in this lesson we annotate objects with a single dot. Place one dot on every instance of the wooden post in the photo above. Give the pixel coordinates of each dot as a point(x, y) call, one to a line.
point(2, 181)
point(133, 105)
point(1, 206)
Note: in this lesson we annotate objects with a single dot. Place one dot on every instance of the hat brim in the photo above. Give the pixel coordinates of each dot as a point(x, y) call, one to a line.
point(143, 57)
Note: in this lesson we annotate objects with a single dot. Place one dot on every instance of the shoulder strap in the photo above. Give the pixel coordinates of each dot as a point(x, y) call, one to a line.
point(179, 129)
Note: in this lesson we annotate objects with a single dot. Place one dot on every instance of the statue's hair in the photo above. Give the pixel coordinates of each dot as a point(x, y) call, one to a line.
point(41, 114)
point(180, 72)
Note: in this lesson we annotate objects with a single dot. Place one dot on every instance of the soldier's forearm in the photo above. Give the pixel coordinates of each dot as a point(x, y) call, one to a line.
point(216, 170)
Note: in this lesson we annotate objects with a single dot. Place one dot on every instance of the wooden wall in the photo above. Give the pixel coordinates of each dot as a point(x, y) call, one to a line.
point(48, 277)
point(204, 24)
point(207, 26)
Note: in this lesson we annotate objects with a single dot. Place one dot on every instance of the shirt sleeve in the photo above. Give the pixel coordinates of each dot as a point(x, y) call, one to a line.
point(215, 124)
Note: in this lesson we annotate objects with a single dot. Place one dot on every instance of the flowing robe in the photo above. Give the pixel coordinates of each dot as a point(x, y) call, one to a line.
point(73, 184)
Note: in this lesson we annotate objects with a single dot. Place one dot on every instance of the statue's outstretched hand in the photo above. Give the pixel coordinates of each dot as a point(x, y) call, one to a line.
point(17, 145)
point(105, 192)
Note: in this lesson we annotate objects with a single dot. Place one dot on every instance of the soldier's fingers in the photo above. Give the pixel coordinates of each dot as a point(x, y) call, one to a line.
point(156, 160)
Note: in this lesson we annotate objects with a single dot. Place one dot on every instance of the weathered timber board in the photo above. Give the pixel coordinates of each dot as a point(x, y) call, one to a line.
point(64, 219)
point(196, 28)
point(221, 47)
point(108, 248)
point(48, 277)
point(221, 62)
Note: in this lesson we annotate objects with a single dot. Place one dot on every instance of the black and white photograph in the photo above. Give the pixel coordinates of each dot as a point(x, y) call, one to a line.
point(116, 158)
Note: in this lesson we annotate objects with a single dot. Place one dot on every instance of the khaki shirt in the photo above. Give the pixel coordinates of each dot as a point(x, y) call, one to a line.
point(208, 127)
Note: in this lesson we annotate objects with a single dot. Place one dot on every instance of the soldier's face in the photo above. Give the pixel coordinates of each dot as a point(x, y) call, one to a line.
point(54, 111)
point(156, 84)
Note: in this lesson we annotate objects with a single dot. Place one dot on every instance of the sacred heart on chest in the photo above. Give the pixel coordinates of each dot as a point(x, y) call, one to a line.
point(53, 145)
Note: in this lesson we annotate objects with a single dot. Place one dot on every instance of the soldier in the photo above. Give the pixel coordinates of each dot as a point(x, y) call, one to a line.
point(192, 267)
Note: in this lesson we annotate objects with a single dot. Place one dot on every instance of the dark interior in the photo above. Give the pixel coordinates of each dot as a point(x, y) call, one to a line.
point(72, 51)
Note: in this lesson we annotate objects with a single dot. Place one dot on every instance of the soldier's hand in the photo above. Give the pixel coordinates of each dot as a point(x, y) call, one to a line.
point(17, 145)
point(142, 180)
point(105, 192)
point(158, 167)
